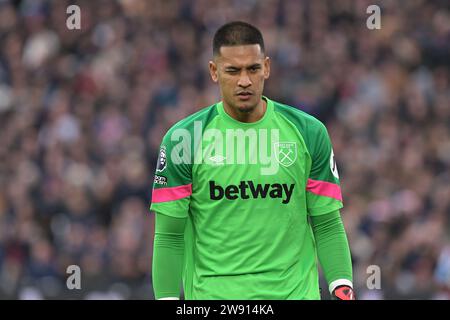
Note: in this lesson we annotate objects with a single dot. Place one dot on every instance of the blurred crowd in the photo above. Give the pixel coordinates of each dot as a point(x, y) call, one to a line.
point(82, 114)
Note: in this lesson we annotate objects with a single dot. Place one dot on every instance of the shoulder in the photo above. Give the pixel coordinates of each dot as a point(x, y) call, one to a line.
point(203, 116)
point(305, 123)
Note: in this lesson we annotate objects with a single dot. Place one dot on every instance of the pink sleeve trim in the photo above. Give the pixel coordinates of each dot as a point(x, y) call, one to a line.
point(170, 194)
point(323, 188)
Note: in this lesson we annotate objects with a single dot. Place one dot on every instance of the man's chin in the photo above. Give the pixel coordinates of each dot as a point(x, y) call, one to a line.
point(246, 106)
point(246, 109)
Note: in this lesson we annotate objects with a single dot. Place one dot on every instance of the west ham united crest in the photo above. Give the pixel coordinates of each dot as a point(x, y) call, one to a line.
point(285, 153)
point(162, 159)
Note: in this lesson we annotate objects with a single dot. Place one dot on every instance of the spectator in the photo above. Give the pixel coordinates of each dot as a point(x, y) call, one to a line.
point(82, 113)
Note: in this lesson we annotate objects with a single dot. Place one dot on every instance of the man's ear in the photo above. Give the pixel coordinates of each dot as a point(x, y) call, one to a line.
point(213, 71)
point(266, 68)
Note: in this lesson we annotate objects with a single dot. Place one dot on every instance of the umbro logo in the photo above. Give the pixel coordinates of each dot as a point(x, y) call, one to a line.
point(217, 159)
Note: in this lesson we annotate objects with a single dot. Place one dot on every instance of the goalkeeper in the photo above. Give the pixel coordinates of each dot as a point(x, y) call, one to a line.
point(246, 192)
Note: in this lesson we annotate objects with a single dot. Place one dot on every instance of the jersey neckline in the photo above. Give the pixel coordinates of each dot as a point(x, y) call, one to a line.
point(269, 111)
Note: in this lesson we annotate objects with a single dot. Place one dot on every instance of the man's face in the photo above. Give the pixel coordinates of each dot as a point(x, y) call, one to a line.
point(240, 72)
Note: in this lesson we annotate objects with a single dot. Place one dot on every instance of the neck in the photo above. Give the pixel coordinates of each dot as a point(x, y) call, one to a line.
point(252, 116)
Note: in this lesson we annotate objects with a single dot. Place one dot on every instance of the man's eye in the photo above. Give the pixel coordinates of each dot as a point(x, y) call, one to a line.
point(232, 71)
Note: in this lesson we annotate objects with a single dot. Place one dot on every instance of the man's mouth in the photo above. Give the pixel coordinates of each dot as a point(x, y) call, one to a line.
point(245, 95)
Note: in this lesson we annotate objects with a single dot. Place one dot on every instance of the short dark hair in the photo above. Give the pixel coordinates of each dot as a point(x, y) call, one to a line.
point(237, 33)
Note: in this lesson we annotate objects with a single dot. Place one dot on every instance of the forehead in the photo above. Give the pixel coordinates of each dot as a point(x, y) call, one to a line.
point(241, 55)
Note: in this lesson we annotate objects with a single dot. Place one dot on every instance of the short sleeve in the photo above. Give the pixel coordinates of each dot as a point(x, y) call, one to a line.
point(323, 191)
point(172, 185)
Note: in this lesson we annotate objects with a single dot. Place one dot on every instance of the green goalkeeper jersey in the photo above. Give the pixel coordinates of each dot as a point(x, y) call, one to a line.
point(247, 190)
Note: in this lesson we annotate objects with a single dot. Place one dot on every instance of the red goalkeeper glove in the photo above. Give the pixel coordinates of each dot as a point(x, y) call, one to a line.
point(343, 293)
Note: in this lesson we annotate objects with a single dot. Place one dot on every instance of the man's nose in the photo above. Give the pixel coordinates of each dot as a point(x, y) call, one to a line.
point(244, 80)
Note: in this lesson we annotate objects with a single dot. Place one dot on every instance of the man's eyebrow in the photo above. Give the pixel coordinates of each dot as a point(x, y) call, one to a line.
point(255, 65)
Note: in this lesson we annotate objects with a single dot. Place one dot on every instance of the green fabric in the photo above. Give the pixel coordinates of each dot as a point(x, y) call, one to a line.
point(320, 149)
point(332, 246)
point(331, 242)
point(247, 234)
point(168, 255)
